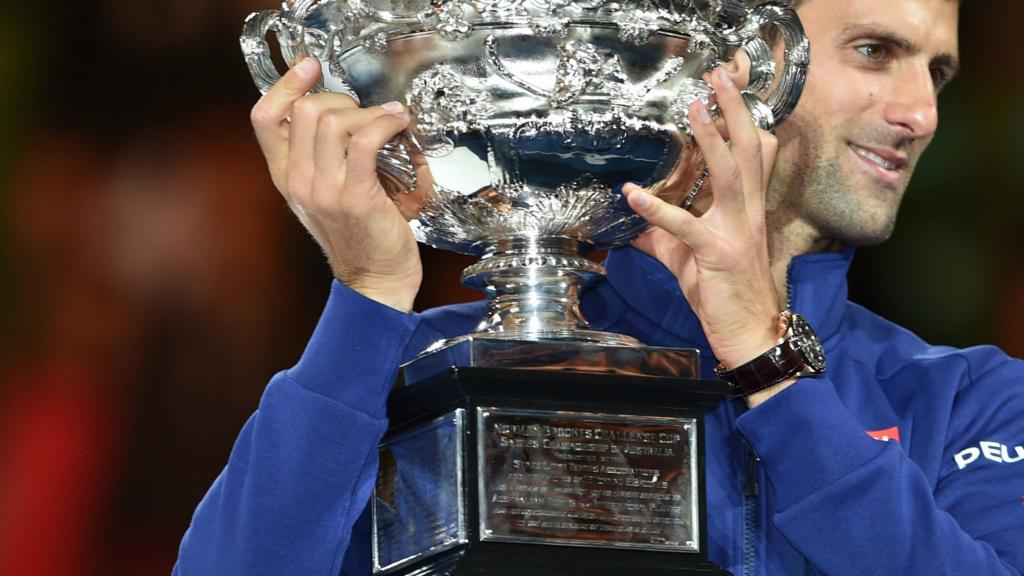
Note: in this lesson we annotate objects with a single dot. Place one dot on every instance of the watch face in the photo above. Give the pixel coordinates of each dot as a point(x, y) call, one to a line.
point(806, 341)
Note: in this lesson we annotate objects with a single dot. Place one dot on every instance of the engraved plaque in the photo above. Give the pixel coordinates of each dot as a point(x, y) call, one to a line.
point(584, 479)
point(417, 500)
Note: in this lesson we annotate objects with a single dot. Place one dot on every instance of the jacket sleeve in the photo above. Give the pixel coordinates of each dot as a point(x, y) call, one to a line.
point(854, 505)
point(302, 468)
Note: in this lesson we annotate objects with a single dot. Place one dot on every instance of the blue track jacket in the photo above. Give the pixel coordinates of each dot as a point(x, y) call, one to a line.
point(905, 458)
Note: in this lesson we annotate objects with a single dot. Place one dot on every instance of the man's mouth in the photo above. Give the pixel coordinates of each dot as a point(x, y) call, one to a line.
point(886, 163)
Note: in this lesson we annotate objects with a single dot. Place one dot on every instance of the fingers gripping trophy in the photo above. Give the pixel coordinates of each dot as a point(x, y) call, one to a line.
point(525, 119)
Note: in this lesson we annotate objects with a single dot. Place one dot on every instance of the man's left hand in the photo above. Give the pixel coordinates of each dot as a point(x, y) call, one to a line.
point(720, 257)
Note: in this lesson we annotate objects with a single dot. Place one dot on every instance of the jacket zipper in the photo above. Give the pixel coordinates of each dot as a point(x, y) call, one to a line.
point(751, 490)
point(789, 285)
point(750, 513)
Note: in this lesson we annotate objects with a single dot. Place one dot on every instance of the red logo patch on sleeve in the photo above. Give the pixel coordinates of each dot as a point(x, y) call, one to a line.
point(885, 435)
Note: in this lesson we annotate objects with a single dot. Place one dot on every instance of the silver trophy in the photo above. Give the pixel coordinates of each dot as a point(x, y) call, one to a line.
point(527, 117)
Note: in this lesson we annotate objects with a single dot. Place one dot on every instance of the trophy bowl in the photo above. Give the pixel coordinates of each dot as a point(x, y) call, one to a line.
point(529, 115)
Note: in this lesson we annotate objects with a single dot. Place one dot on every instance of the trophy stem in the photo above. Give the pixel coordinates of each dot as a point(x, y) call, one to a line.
point(533, 288)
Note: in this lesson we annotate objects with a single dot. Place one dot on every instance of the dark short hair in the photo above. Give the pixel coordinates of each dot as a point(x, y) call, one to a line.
point(795, 3)
point(771, 33)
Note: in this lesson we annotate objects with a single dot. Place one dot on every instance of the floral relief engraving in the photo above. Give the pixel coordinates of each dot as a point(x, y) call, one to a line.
point(442, 101)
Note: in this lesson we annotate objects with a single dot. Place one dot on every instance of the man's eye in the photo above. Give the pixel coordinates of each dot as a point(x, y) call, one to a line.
point(874, 52)
point(940, 78)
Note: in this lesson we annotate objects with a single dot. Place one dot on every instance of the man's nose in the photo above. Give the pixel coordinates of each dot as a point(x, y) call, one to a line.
point(913, 105)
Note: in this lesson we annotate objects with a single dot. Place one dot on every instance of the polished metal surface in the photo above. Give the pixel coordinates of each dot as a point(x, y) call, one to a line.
point(596, 480)
point(418, 501)
point(627, 357)
point(528, 115)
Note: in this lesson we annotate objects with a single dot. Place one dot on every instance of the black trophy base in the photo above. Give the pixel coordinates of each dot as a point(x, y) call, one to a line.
point(511, 471)
point(527, 560)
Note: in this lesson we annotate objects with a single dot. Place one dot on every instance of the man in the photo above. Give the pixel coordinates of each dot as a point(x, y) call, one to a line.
point(901, 459)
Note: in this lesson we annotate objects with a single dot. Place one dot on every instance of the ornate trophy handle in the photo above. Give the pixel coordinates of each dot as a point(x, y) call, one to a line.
point(393, 160)
point(781, 102)
point(257, 51)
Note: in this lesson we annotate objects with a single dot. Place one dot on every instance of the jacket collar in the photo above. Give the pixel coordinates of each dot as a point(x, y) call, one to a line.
point(817, 289)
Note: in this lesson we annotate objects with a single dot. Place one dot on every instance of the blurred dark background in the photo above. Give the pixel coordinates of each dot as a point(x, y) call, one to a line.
point(151, 279)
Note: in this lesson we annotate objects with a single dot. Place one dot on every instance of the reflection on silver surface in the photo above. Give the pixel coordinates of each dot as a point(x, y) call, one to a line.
point(559, 356)
point(580, 479)
point(528, 115)
point(418, 508)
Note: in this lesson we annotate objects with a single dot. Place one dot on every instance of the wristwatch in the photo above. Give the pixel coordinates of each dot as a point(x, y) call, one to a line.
point(798, 353)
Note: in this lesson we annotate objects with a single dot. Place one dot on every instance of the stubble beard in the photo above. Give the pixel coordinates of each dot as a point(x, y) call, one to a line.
point(812, 183)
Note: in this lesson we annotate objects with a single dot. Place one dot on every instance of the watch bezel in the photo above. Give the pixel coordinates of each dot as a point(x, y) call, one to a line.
point(805, 340)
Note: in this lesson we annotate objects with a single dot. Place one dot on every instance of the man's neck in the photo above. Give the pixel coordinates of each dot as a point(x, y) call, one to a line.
point(789, 237)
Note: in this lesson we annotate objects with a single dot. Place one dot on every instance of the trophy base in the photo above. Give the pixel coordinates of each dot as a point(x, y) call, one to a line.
point(553, 356)
point(514, 471)
point(532, 562)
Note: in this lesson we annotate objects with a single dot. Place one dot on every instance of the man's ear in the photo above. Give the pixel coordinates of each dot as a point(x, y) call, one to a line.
point(739, 69)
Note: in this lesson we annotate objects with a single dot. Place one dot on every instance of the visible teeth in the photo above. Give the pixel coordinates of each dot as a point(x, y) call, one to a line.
point(875, 158)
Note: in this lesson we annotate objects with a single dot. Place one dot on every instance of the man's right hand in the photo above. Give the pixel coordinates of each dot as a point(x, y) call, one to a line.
point(324, 163)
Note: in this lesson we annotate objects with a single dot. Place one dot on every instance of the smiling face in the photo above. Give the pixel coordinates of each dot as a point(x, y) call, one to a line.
point(867, 113)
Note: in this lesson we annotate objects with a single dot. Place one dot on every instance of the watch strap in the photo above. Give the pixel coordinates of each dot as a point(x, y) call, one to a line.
point(797, 353)
point(765, 371)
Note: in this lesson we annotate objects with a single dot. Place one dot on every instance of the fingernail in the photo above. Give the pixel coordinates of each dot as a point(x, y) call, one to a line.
point(723, 77)
point(640, 199)
point(307, 67)
point(702, 113)
point(392, 107)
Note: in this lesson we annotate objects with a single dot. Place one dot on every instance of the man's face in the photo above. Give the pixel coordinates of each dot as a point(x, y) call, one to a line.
point(867, 113)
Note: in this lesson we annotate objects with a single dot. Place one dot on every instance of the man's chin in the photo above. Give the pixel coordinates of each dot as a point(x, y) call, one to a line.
point(861, 216)
point(864, 231)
